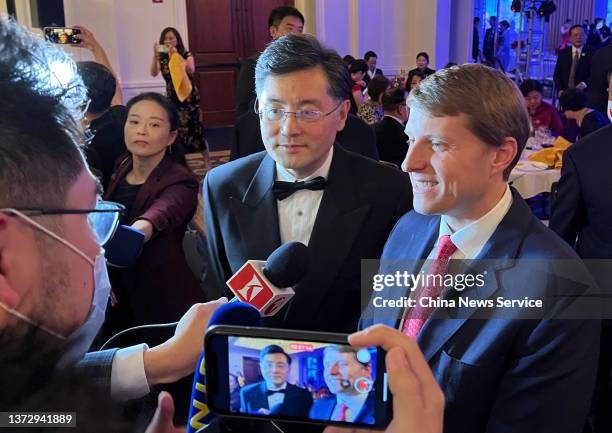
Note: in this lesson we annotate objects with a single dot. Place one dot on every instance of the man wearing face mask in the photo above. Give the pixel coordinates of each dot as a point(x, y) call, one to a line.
point(52, 228)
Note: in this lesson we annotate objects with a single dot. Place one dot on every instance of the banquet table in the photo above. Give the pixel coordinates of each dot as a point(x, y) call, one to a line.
point(530, 180)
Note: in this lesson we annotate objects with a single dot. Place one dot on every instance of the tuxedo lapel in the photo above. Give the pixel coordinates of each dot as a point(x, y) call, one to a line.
point(498, 253)
point(339, 220)
point(256, 214)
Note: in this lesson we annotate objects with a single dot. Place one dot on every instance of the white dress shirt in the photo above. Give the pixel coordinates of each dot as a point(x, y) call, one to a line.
point(278, 397)
point(298, 212)
point(579, 50)
point(128, 378)
point(371, 74)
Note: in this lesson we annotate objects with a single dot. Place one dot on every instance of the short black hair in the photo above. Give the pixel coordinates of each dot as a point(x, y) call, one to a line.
point(423, 54)
point(100, 83)
point(358, 65)
point(40, 139)
point(505, 23)
point(162, 101)
point(369, 54)
point(377, 86)
point(272, 349)
point(277, 15)
point(572, 100)
point(393, 98)
point(476, 20)
point(605, 31)
point(529, 86)
point(297, 52)
point(575, 26)
point(348, 59)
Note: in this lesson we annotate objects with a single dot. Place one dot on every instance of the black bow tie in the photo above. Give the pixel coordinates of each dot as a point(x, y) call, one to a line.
point(282, 190)
point(270, 392)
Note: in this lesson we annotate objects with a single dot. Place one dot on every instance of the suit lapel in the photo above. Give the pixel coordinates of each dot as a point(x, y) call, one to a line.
point(339, 220)
point(256, 214)
point(498, 253)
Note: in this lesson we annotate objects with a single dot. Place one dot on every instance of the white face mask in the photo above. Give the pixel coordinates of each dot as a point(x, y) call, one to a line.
point(79, 341)
point(610, 110)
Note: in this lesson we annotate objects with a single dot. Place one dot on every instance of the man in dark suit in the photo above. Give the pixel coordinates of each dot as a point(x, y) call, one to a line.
point(476, 40)
point(601, 74)
point(303, 90)
point(391, 140)
point(573, 63)
point(273, 394)
point(422, 61)
point(53, 275)
point(282, 21)
point(489, 44)
point(370, 58)
point(348, 375)
point(465, 140)
point(357, 136)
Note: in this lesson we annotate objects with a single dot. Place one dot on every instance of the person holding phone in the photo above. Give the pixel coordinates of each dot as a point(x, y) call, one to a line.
point(177, 66)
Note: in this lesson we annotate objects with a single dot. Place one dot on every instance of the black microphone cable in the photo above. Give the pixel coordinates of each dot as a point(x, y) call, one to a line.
point(136, 328)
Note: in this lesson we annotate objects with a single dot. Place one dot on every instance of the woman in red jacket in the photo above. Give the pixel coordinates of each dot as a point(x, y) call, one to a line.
point(160, 196)
point(542, 114)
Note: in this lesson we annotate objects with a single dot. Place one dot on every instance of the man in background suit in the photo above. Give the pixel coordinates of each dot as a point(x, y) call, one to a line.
point(357, 136)
point(273, 394)
point(573, 63)
point(348, 375)
point(489, 44)
point(601, 74)
point(370, 58)
point(391, 140)
point(344, 208)
point(464, 141)
point(53, 278)
point(282, 21)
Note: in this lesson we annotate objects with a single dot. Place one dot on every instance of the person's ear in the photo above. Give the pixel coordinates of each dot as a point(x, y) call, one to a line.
point(273, 32)
point(172, 138)
point(343, 111)
point(504, 155)
point(8, 295)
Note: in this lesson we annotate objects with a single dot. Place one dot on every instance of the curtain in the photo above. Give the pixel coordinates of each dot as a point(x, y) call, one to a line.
point(577, 10)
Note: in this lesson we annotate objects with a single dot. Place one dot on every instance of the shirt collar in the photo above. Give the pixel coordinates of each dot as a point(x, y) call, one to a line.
point(354, 401)
point(396, 118)
point(371, 74)
point(574, 49)
point(280, 388)
point(284, 175)
point(472, 238)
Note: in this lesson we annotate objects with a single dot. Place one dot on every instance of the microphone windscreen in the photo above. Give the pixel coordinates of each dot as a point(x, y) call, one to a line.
point(287, 265)
point(237, 314)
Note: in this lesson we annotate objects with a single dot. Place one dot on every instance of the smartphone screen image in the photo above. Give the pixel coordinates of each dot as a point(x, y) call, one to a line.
point(161, 48)
point(319, 380)
point(62, 35)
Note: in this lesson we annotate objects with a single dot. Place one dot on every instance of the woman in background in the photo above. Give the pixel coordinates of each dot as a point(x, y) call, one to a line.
point(160, 197)
point(542, 114)
point(372, 111)
point(177, 67)
point(358, 70)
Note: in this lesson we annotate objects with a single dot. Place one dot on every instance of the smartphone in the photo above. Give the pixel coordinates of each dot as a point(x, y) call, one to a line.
point(296, 376)
point(62, 35)
point(161, 48)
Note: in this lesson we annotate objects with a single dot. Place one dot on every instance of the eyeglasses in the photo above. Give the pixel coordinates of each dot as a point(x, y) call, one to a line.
point(277, 365)
point(103, 220)
point(276, 114)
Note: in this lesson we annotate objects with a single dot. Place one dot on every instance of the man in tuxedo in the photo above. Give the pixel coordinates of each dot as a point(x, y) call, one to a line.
point(464, 141)
point(348, 375)
point(601, 74)
point(53, 279)
point(357, 136)
point(282, 20)
point(391, 140)
point(274, 395)
point(344, 204)
point(573, 63)
point(370, 58)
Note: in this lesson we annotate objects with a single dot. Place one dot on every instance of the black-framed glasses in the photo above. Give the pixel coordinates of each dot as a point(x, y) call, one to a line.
point(103, 220)
point(272, 114)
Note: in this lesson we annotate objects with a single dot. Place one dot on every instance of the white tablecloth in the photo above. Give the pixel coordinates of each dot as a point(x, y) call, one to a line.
point(532, 183)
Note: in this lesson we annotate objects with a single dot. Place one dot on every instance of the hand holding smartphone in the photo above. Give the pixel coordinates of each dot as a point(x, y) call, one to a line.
point(300, 376)
point(163, 49)
point(62, 35)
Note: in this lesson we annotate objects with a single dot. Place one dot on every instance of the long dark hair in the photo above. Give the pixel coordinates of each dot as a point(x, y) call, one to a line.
point(180, 47)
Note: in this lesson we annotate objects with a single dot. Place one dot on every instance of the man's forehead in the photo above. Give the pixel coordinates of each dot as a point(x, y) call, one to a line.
point(83, 191)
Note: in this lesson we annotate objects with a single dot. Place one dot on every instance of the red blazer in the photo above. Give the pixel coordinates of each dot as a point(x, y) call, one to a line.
point(160, 287)
point(548, 116)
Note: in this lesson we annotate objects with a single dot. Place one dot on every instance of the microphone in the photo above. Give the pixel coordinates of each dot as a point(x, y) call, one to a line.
point(234, 313)
point(266, 285)
point(124, 248)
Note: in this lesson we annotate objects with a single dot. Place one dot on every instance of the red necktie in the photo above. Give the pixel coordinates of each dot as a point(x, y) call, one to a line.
point(343, 409)
point(416, 318)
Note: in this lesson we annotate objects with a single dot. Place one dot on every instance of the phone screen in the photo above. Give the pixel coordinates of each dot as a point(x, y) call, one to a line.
point(62, 35)
point(301, 380)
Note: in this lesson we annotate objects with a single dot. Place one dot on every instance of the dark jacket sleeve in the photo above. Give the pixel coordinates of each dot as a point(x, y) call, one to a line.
point(557, 74)
point(97, 366)
point(569, 213)
point(245, 87)
point(175, 205)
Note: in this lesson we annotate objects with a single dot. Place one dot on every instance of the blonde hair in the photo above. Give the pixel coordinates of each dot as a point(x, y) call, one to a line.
point(493, 104)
